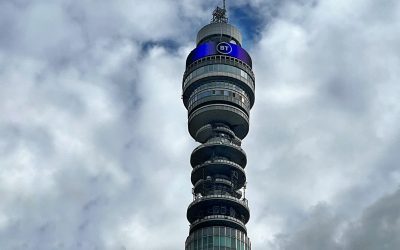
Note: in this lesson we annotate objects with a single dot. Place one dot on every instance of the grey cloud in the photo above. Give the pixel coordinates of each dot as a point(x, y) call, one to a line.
point(319, 231)
point(379, 226)
point(81, 135)
point(325, 119)
point(94, 147)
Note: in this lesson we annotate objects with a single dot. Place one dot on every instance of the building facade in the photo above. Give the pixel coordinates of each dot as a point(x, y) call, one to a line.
point(218, 92)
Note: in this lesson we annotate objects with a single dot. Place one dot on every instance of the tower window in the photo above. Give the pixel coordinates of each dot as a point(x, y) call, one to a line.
point(215, 209)
point(223, 210)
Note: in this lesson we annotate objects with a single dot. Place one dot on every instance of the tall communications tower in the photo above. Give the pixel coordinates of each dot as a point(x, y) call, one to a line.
point(218, 92)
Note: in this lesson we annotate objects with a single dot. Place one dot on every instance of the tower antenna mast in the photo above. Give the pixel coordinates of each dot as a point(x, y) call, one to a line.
point(219, 14)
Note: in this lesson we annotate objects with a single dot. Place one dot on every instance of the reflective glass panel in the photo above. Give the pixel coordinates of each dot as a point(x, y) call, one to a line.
point(216, 241)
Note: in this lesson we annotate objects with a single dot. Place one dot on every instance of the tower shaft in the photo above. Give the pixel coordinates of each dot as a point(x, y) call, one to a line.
point(218, 92)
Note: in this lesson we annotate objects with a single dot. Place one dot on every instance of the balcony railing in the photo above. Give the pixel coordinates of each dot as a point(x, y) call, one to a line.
point(218, 107)
point(188, 81)
point(219, 59)
point(217, 217)
point(227, 162)
point(243, 201)
point(220, 141)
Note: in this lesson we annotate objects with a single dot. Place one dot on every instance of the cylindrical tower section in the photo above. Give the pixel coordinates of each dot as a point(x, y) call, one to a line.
point(219, 32)
point(218, 92)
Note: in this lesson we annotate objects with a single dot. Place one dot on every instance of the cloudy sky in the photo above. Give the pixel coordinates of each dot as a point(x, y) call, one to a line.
point(94, 148)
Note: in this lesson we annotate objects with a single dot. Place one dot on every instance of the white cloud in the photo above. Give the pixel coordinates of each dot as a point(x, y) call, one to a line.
point(321, 130)
point(94, 149)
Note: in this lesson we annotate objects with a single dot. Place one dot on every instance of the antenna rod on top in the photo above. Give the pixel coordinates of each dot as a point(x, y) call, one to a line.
point(219, 14)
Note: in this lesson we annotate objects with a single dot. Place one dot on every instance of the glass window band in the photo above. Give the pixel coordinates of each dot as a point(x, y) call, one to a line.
point(220, 238)
point(219, 68)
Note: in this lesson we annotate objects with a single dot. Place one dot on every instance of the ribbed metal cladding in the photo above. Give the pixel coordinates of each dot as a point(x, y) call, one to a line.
point(218, 92)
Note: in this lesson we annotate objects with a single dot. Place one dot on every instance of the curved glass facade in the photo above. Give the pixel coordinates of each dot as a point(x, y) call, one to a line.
point(220, 59)
point(220, 94)
point(218, 238)
point(219, 68)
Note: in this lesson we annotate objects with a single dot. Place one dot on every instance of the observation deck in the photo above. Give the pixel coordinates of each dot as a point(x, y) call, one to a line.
point(220, 147)
point(201, 205)
point(221, 167)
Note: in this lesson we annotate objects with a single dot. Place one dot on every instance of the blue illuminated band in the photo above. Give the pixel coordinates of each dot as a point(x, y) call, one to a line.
point(222, 48)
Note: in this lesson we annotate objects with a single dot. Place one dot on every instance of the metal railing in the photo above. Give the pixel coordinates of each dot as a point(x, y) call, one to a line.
point(217, 217)
point(188, 81)
point(243, 201)
point(219, 59)
point(219, 141)
point(218, 107)
point(216, 180)
point(227, 162)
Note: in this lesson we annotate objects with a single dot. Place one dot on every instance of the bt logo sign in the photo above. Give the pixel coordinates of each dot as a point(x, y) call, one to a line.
point(224, 48)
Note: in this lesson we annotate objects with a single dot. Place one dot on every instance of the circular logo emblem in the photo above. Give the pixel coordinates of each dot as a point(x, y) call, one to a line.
point(224, 48)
